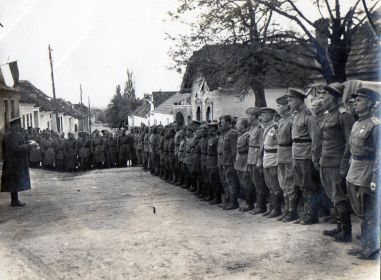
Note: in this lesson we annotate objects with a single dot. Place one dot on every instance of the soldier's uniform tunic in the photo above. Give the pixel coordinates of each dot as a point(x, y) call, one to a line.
point(256, 171)
point(221, 172)
point(306, 148)
point(212, 166)
point(70, 154)
point(204, 155)
point(285, 169)
point(59, 154)
point(334, 162)
point(47, 148)
point(364, 142)
point(270, 165)
point(228, 159)
point(246, 184)
point(98, 147)
point(124, 144)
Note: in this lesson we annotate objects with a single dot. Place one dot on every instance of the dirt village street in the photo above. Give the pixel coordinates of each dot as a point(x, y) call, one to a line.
point(102, 225)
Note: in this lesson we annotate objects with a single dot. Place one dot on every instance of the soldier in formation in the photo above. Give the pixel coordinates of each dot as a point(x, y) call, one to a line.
point(287, 162)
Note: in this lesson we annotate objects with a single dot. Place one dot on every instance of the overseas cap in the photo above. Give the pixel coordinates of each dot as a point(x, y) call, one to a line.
point(368, 93)
point(294, 92)
point(283, 100)
point(253, 111)
point(335, 89)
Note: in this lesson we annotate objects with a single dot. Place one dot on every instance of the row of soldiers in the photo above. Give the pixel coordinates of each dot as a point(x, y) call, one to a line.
point(317, 159)
point(96, 150)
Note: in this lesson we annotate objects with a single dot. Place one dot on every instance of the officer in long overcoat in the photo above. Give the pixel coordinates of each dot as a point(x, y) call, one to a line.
point(15, 176)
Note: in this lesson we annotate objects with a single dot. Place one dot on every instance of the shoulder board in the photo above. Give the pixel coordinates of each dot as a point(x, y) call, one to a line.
point(342, 110)
point(376, 121)
point(325, 113)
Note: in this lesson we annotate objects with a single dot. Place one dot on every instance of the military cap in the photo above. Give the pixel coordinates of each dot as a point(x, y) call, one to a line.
point(203, 126)
point(335, 89)
point(188, 127)
point(196, 122)
point(368, 93)
point(267, 110)
point(227, 118)
point(283, 100)
point(213, 123)
point(81, 133)
point(14, 121)
point(253, 111)
point(294, 92)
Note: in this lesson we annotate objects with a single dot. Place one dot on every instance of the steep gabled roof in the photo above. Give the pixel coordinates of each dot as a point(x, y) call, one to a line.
point(167, 106)
point(143, 110)
point(159, 97)
point(364, 57)
point(30, 94)
point(227, 66)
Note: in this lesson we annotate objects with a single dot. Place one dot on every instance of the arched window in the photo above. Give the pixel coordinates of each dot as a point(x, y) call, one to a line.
point(198, 113)
point(198, 110)
point(209, 109)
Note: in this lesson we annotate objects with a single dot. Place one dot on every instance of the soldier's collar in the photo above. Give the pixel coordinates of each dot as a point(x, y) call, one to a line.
point(364, 116)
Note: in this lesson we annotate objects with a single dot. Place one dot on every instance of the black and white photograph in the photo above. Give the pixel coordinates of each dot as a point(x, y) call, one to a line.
point(190, 139)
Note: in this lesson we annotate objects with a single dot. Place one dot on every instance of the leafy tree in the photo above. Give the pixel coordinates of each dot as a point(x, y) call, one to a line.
point(123, 104)
point(245, 24)
point(330, 46)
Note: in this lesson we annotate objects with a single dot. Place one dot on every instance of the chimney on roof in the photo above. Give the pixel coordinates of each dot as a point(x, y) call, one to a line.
point(322, 32)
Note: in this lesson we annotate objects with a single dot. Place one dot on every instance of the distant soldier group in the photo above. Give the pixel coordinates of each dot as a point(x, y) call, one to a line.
point(89, 151)
point(322, 159)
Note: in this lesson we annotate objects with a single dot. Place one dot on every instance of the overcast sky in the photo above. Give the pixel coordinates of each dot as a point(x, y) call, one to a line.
point(93, 43)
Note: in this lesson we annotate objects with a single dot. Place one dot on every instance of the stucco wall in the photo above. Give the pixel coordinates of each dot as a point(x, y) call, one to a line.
point(159, 118)
point(223, 102)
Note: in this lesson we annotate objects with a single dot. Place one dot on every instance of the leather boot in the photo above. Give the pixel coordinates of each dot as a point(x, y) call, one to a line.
point(335, 231)
point(270, 208)
point(261, 205)
point(345, 234)
point(293, 208)
point(277, 202)
point(233, 204)
point(312, 213)
point(286, 208)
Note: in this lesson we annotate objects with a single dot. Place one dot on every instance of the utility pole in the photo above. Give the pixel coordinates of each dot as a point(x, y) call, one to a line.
point(80, 88)
point(54, 90)
point(89, 115)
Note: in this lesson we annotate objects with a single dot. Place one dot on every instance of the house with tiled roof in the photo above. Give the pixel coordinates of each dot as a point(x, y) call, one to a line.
point(217, 86)
point(166, 112)
point(141, 115)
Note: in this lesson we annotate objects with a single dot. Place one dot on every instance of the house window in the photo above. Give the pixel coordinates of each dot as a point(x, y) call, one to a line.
point(198, 113)
point(13, 109)
point(208, 114)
